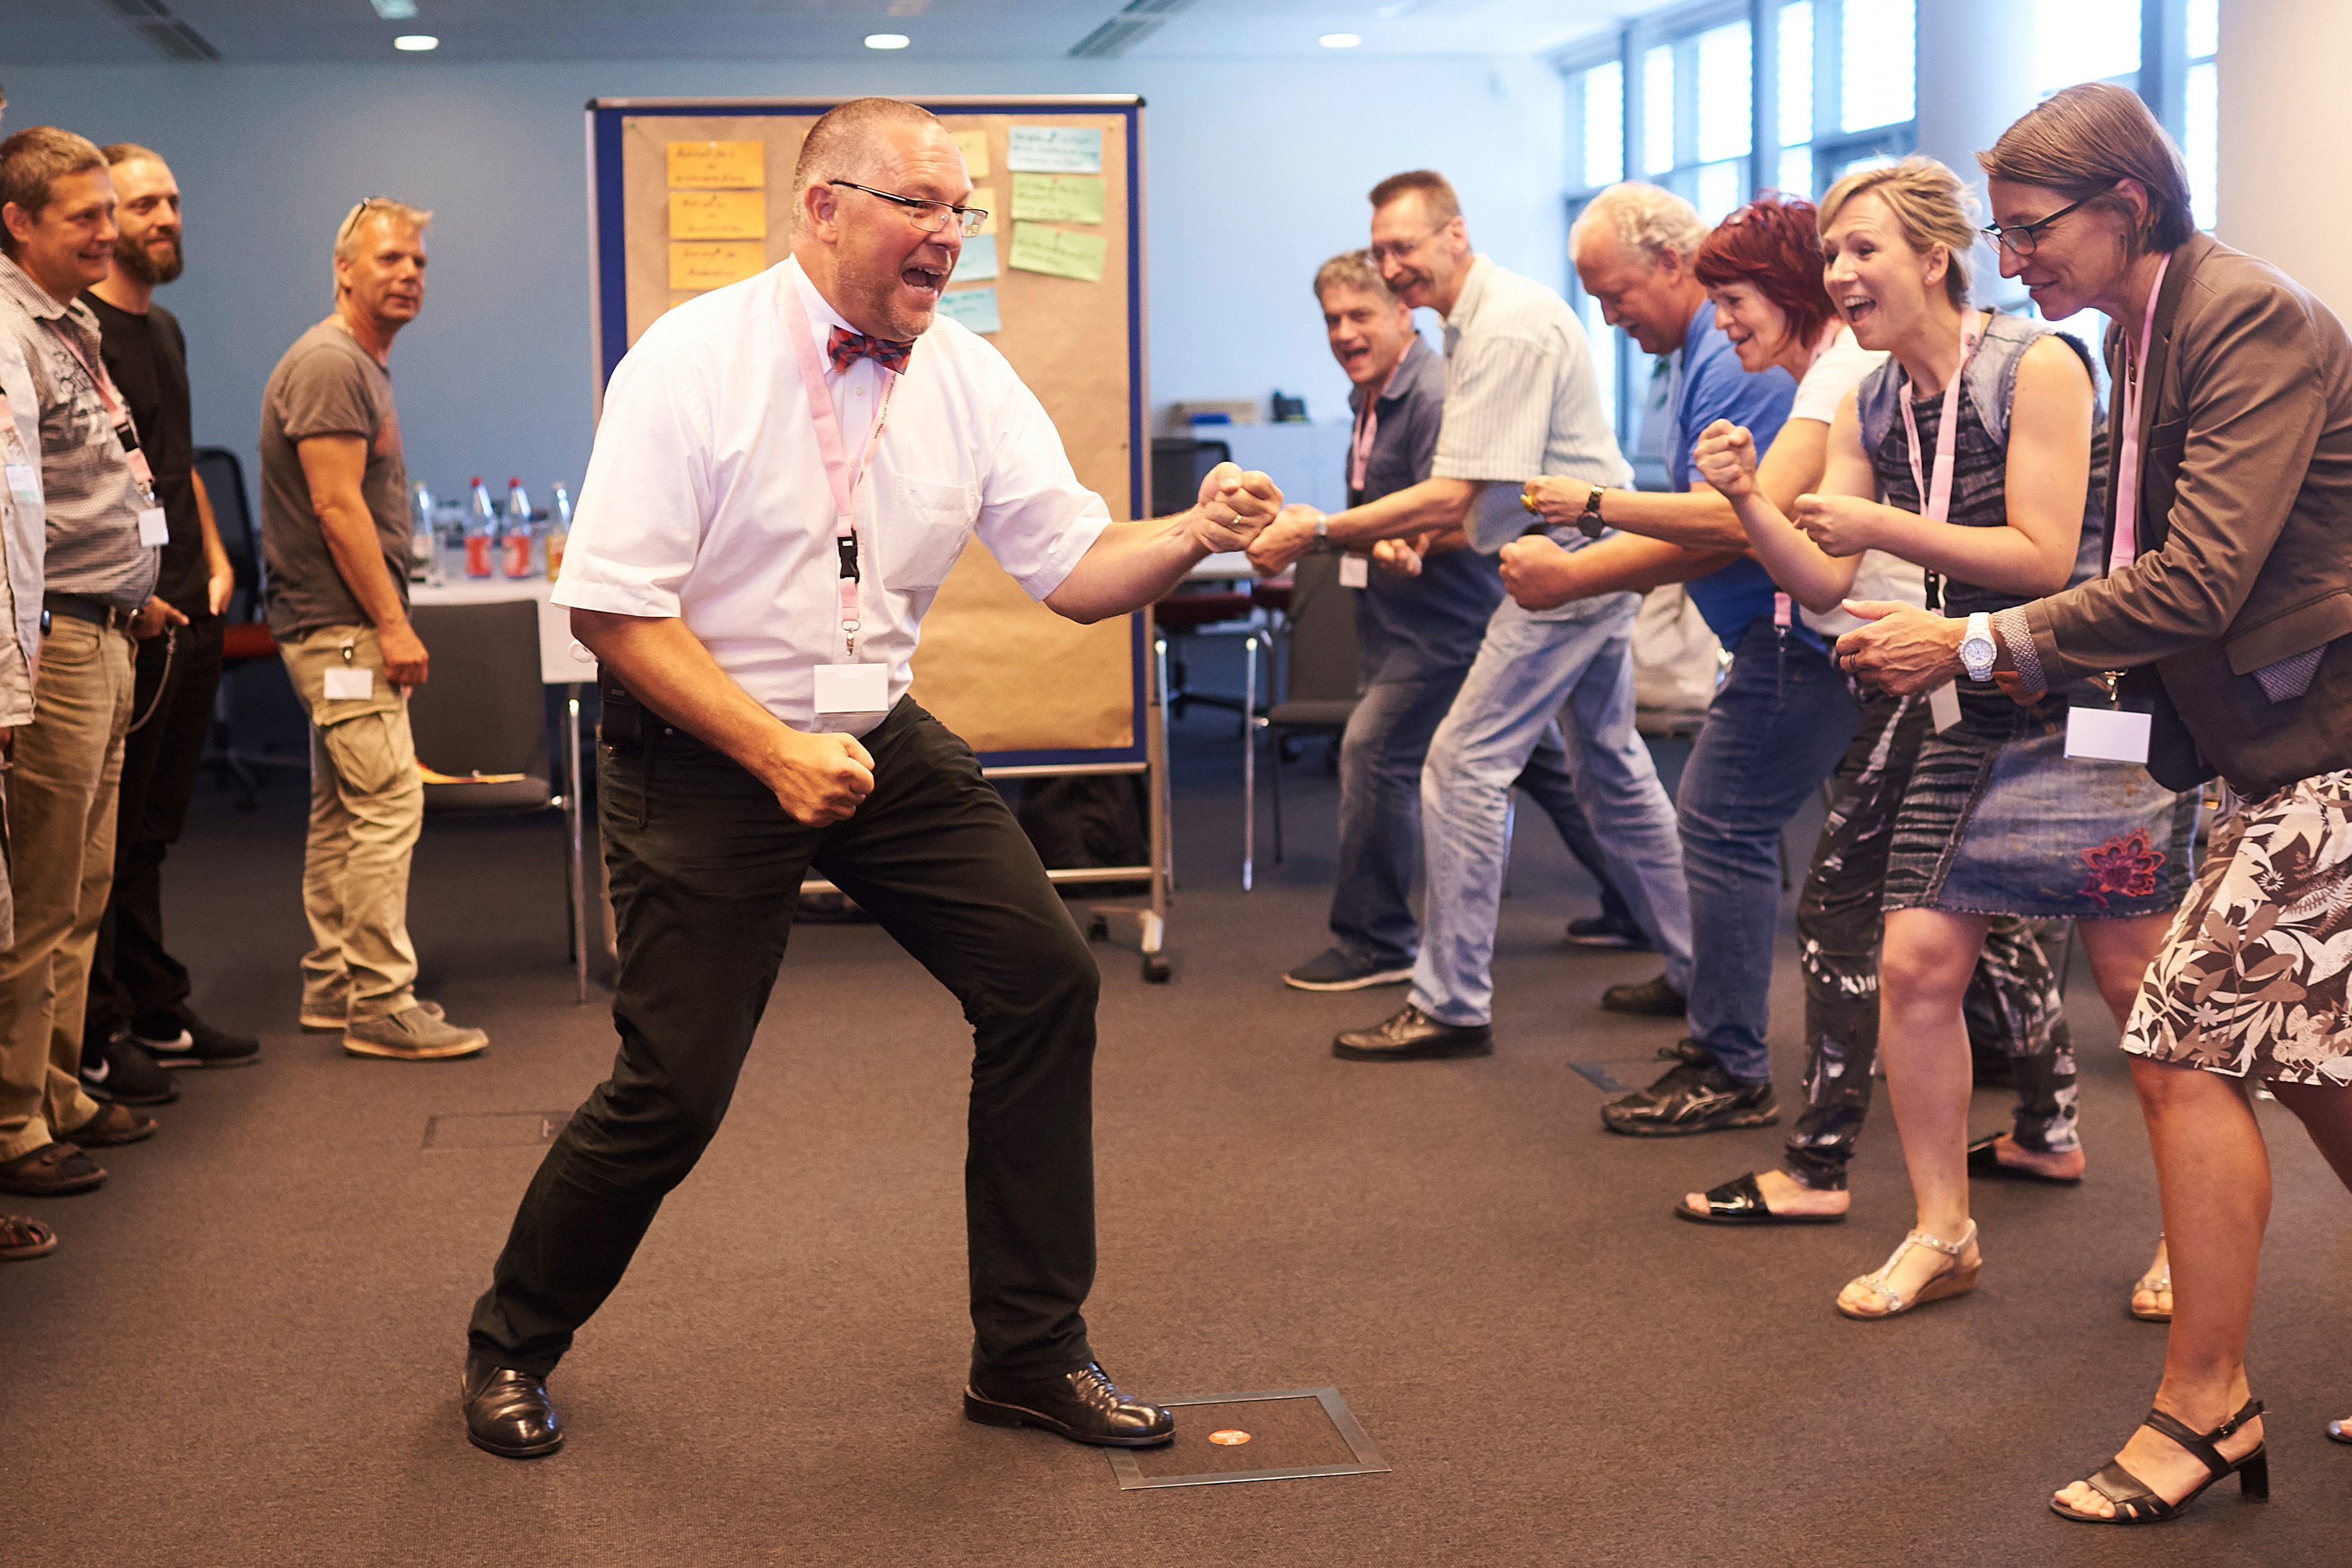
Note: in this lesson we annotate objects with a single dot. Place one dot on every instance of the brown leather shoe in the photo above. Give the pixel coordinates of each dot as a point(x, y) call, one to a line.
point(52, 1171)
point(113, 1126)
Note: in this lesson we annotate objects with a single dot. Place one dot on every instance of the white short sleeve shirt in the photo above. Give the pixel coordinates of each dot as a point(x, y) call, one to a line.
point(705, 497)
point(1878, 575)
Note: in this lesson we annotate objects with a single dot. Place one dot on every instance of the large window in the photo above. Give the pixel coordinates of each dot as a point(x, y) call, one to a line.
point(1680, 98)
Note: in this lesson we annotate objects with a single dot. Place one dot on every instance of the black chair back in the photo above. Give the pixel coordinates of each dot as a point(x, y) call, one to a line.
point(1179, 464)
point(224, 479)
point(483, 709)
point(1322, 659)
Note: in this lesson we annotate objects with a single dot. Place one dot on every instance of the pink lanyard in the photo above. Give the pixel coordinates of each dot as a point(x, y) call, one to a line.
point(844, 478)
point(1936, 504)
point(2127, 539)
point(1368, 423)
point(118, 415)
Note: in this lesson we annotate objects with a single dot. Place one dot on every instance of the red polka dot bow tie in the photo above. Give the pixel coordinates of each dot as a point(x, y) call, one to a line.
point(844, 345)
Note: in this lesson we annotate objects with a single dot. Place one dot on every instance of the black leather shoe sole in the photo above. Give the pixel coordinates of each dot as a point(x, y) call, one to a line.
point(532, 1451)
point(990, 1413)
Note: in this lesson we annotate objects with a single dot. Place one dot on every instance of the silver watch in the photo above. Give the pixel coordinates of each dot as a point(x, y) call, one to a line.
point(1978, 650)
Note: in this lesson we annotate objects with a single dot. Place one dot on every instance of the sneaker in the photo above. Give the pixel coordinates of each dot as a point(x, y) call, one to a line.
point(412, 1035)
point(115, 1071)
point(1600, 932)
point(1695, 1095)
point(1651, 999)
point(184, 1040)
point(1335, 971)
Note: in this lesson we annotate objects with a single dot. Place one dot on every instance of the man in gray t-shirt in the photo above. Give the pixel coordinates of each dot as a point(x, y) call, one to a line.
point(334, 529)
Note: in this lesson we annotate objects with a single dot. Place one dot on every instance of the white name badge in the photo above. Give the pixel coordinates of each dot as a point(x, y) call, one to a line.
point(2104, 735)
point(350, 685)
point(25, 483)
point(1944, 707)
point(1355, 571)
point(853, 688)
point(152, 529)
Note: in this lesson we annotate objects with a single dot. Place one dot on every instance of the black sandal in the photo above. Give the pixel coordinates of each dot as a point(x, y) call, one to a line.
point(1741, 1201)
point(2136, 1504)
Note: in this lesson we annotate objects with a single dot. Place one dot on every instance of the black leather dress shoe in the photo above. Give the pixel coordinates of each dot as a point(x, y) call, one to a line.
point(1695, 1095)
point(1651, 999)
point(1085, 1406)
point(1412, 1035)
point(508, 1413)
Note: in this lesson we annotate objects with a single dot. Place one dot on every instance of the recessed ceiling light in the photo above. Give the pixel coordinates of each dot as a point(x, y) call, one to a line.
point(1338, 40)
point(416, 43)
point(887, 40)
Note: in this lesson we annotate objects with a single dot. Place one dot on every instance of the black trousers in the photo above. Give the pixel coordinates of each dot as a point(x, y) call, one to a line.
point(706, 868)
point(133, 977)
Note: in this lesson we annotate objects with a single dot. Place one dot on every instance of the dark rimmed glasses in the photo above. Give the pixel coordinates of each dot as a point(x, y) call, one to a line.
point(2020, 240)
point(928, 215)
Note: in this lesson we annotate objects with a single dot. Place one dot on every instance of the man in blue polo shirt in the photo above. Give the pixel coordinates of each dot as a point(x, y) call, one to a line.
point(1419, 624)
point(1778, 724)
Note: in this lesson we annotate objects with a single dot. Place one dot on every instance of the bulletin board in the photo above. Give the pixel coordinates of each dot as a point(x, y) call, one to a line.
point(689, 194)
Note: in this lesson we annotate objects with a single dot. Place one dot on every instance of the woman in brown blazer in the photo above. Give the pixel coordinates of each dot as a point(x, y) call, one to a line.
point(2226, 605)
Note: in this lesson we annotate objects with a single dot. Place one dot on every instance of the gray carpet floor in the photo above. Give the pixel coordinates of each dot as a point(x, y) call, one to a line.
point(246, 1350)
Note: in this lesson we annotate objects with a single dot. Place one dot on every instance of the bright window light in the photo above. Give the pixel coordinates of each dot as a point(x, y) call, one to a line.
point(416, 43)
point(394, 10)
point(887, 40)
point(1338, 40)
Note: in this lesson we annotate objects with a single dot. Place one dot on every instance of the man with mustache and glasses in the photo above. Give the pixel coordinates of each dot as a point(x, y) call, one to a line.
point(138, 1014)
point(786, 470)
point(1521, 400)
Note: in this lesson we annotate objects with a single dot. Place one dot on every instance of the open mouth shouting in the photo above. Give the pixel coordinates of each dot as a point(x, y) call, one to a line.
point(924, 282)
point(1856, 309)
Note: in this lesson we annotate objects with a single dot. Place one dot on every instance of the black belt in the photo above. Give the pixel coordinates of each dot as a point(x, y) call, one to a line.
point(82, 607)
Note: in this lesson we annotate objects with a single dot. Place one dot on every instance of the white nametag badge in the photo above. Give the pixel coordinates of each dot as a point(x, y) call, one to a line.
point(1355, 571)
point(2105, 735)
point(25, 483)
point(853, 688)
point(153, 528)
point(1944, 706)
point(350, 685)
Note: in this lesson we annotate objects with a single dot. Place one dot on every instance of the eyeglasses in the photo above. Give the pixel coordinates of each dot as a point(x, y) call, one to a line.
point(2020, 240)
point(1380, 253)
point(929, 216)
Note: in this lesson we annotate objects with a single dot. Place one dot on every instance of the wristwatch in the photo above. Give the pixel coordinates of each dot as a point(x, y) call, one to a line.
point(1978, 650)
point(1322, 533)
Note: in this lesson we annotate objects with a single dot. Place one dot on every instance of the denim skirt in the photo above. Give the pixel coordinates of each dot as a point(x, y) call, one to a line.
point(2000, 821)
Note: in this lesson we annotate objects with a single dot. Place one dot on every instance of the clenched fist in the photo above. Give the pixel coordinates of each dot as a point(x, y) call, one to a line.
point(822, 779)
point(1725, 456)
point(1236, 507)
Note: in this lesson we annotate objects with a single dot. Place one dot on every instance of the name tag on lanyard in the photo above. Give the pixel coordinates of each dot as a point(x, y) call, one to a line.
point(1936, 497)
point(2107, 734)
point(849, 687)
point(1355, 571)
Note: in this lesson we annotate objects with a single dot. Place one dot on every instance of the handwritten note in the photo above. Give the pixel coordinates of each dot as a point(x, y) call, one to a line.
point(972, 308)
point(718, 215)
point(1059, 252)
point(707, 164)
point(1058, 198)
point(979, 259)
point(714, 264)
point(1054, 149)
point(984, 198)
point(973, 145)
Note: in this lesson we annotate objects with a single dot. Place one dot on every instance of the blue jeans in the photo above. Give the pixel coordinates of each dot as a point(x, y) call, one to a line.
point(1531, 664)
point(1776, 727)
point(1381, 758)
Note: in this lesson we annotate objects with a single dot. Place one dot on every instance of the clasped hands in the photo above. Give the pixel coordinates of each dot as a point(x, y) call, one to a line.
point(1236, 509)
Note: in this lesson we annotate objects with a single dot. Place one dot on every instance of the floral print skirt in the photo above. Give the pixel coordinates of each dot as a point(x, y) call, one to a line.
point(1998, 820)
point(2252, 980)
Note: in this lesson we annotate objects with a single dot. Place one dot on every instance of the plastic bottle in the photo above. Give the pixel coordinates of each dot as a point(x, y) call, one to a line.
point(559, 531)
point(518, 533)
point(481, 531)
point(423, 560)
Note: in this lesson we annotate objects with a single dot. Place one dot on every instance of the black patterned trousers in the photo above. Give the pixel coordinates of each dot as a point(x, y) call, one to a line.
point(2013, 1006)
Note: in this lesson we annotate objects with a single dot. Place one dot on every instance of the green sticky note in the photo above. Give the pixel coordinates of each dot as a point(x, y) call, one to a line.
point(1058, 198)
point(1059, 252)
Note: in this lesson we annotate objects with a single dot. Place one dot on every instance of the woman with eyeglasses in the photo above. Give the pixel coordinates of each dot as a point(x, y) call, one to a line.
point(2225, 600)
point(1971, 452)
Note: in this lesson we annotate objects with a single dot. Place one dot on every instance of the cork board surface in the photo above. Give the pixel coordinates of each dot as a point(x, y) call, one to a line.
point(1005, 673)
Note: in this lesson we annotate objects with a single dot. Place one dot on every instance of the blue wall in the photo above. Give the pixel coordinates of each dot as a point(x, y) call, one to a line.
point(1255, 173)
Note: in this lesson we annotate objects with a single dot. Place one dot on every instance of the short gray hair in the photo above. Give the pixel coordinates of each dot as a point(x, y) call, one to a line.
point(1644, 218)
point(842, 142)
point(347, 237)
point(1353, 270)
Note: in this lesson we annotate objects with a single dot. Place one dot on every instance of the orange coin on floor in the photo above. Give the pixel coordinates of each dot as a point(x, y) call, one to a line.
point(1229, 1436)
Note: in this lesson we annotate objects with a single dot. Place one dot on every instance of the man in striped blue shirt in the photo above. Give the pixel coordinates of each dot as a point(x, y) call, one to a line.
point(1521, 399)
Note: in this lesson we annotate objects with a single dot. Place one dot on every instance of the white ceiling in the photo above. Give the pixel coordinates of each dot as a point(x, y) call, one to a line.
point(61, 32)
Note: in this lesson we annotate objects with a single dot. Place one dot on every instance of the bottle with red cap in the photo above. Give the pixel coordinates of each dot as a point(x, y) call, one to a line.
point(518, 530)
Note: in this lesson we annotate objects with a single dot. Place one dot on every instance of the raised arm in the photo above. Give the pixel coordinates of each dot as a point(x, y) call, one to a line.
point(1819, 459)
point(1129, 564)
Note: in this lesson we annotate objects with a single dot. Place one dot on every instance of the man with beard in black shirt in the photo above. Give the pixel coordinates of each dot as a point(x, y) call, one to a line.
point(138, 1016)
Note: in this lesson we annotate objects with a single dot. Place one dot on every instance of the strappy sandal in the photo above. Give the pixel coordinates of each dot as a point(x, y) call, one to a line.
point(2158, 1282)
point(2137, 1504)
point(1957, 1280)
point(21, 1238)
